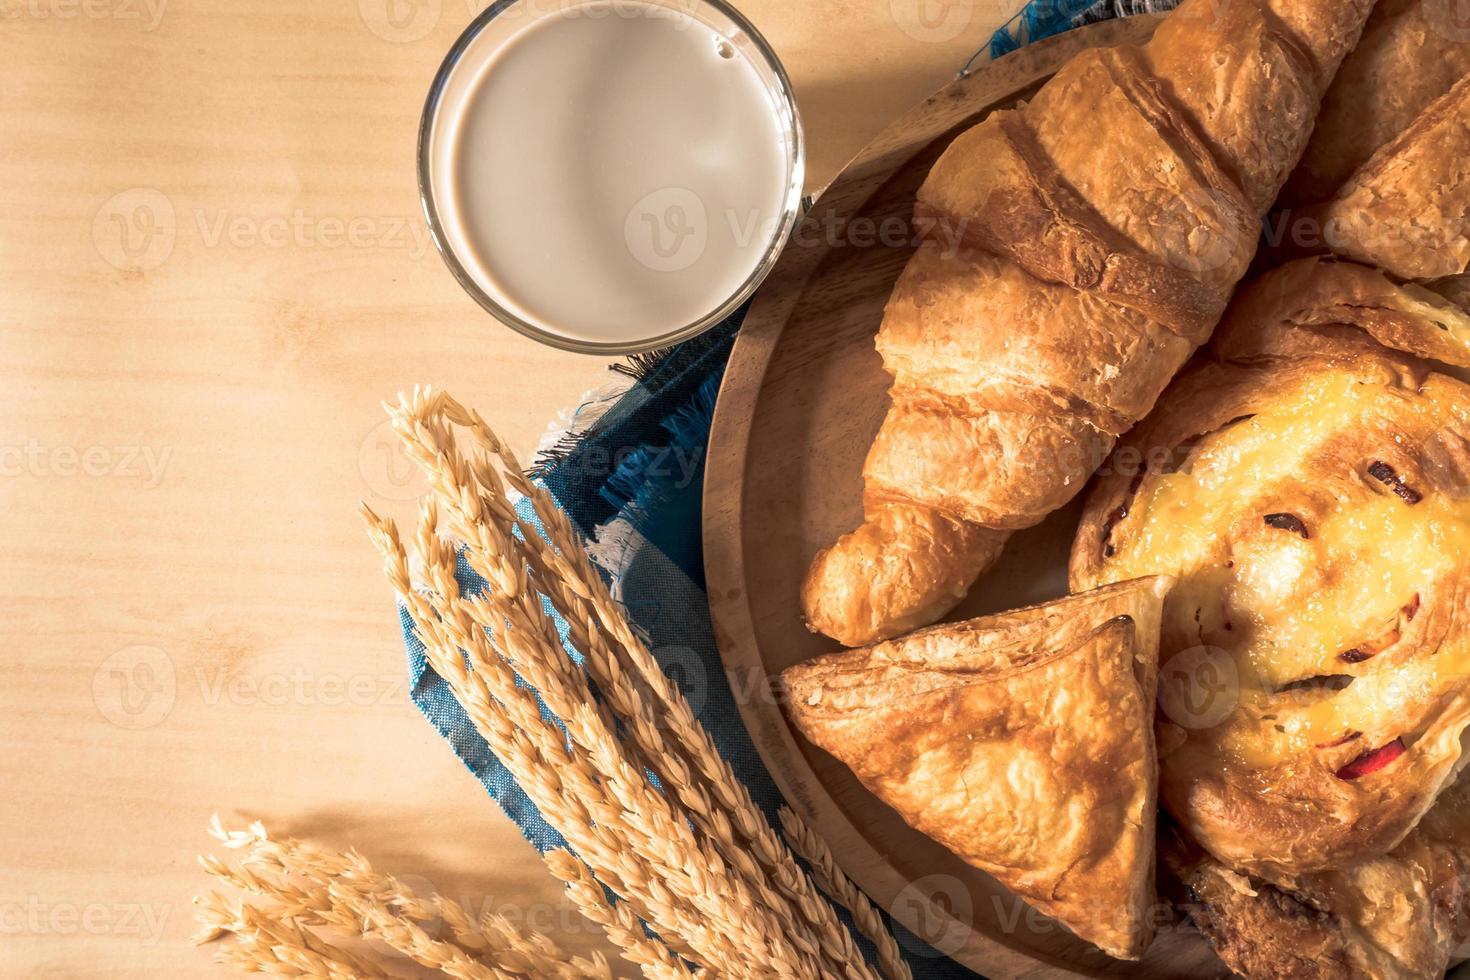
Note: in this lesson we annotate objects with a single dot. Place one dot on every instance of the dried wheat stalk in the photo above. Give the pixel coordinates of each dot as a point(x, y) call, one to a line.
point(838, 887)
point(271, 941)
point(620, 925)
point(660, 722)
point(603, 805)
point(695, 861)
point(678, 893)
point(308, 886)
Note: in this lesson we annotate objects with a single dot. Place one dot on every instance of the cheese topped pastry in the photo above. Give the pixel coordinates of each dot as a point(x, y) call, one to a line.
point(1313, 498)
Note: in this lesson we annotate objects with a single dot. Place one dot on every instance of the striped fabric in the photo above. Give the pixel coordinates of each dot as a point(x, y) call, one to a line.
point(1043, 18)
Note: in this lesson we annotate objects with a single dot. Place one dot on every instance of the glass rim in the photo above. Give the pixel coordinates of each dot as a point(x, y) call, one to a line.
point(790, 208)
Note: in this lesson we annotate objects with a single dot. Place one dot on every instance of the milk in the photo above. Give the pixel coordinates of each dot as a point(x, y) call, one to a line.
point(612, 173)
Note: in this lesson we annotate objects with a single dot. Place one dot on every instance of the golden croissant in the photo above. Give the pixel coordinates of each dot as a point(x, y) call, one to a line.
point(1101, 230)
point(1407, 210)
point(1411, 52)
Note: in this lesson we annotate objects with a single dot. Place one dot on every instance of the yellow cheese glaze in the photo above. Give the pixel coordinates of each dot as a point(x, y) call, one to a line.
point(1283, 607)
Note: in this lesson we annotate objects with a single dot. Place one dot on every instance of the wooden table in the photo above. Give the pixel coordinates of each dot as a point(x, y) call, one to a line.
point(213, 269)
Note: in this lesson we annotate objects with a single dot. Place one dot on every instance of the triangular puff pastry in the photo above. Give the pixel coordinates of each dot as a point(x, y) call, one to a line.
point(1022, 742)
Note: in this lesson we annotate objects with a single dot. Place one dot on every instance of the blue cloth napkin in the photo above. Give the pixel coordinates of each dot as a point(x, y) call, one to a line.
point(629, 472)
point(1043, 18)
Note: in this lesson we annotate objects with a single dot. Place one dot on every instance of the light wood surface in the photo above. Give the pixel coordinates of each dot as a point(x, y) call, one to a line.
point(802, 399)
point(192, 618)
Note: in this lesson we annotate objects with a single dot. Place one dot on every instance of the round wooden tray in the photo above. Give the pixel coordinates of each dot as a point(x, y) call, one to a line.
point(801, 401)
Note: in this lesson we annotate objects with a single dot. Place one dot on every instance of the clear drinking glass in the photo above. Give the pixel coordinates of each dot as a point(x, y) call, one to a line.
point(491, 31)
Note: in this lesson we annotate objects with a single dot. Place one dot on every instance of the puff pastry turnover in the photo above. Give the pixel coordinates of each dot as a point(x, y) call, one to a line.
point(1023, 742)
point(1313, 497)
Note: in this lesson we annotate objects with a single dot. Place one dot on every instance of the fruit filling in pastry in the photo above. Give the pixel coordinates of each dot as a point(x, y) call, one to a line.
point(1315, 676)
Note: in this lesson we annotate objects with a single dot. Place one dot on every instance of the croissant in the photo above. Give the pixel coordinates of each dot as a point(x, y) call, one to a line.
point(1402, 916)
point(1312, 494)
point(1407, 210)
point(1411, 52)
point(1101, 230)
point(1403, 217)
point(1022, 742)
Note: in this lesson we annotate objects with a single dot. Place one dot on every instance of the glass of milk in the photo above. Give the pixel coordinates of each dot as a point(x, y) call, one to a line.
point(610, 176)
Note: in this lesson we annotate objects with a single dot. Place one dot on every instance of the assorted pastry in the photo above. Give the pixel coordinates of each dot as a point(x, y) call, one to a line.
point(1022, 742)
point(1108, 222)
point(1268, 640)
